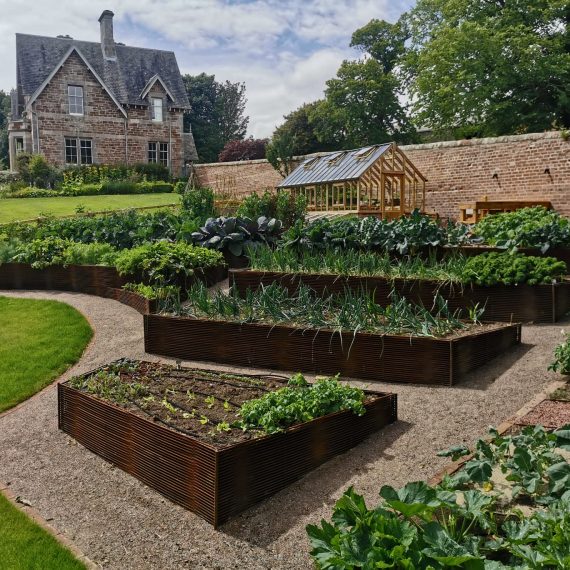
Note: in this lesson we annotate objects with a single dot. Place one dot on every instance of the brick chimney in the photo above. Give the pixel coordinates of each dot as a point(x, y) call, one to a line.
point(107, 40)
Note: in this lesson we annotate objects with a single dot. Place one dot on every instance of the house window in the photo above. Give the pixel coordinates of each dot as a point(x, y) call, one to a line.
point(75, 99)
point(85, 154)
point(156, 109)
point(19, 143)
point(158, 152)
point(86, 151)
point(71, 151)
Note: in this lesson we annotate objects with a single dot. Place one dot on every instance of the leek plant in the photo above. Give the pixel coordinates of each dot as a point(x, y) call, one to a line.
point(349, 311)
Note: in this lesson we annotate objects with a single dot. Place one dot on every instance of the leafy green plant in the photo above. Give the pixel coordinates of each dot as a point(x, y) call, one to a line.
point(236, 234)
point(153, 292)
point(408, 234)
point(300, 402)
point(512, 269)
point(165, 263)
point(199, 203)
point(561, 362)
point(464, 522)
point(529, 227)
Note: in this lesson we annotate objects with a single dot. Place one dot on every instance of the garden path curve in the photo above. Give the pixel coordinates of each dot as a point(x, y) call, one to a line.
point(119, 523)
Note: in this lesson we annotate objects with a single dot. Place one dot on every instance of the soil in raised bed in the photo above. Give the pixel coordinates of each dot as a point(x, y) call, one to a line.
point(550, 414)
point(188, 400)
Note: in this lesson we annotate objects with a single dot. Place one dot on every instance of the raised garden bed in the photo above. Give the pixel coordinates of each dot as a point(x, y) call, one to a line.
point(503, 303)
point(386, 358)
point(91, 279)
point(215, 477)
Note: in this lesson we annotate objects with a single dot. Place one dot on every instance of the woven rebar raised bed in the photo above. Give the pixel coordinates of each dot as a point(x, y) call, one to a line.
point(503, 303)
point(91, 279)
point(386, 358)
point(214, 482)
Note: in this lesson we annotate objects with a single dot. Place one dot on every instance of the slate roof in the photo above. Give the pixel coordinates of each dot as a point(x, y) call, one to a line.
point(36, 57)
point(335, 166)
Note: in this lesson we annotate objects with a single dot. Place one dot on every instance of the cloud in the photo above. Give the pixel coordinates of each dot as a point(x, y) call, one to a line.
point(284, 50)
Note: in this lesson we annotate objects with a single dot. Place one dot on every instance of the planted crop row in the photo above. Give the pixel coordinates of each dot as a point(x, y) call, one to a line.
point(485, 269)
point(349, 311)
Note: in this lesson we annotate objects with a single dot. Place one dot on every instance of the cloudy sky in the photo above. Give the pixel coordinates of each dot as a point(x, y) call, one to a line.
point(284, 50)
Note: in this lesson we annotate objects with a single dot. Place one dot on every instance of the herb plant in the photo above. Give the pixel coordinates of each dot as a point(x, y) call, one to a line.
point(153, 292)
point(512, 269)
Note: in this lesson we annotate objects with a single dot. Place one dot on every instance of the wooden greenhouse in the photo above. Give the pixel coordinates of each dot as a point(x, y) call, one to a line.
point(375, 180)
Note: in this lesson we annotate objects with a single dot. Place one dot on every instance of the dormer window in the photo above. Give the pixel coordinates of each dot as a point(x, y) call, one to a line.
point(75, 99)
point(156, 109)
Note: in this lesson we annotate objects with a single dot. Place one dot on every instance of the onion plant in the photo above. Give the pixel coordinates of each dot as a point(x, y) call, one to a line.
point(355, 262)
point(349, 311)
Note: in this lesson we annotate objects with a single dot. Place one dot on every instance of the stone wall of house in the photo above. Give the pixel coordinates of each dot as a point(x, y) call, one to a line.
point(526, 166)
point(114, 138)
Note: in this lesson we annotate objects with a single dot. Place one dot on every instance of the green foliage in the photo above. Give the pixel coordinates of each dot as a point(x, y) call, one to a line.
point(5, 107)
point(122, 230)
point(456, 524)
point(528, 227)
point(199, 203)
point(153, 292)
point(216, 114)
point(408, 234)
point(512, 269)
point(348, 311)
point(152, 171)
point(165, 263)
point(561, 361)
point(282, 205)
point(41, 253)
point(35, 171)
point(237, 234)
point(280, 152)
point(300, 402)
point(355, 262)
point(494, 67)
point(107, 187)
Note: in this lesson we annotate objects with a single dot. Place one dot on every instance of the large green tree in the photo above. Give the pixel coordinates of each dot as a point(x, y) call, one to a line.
point(489, 67)
point(4, 110)
point(217, 113)
point(363, 104)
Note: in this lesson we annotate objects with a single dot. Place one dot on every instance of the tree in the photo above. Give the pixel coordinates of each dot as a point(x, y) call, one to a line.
point(216, 115)
point(362, 103)
point(248, 149)
point(299, 134)
point(280, 152)
point(490, 67)
point(4, 110)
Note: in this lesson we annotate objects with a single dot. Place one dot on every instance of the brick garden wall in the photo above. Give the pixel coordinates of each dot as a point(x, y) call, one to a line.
point(457, 171)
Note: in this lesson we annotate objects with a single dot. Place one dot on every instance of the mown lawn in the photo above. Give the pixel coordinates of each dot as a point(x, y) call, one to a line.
point(12, 209)
point(39, 340)
point(26, 546)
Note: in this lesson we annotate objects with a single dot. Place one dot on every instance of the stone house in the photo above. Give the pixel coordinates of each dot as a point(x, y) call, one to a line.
point(82, 102)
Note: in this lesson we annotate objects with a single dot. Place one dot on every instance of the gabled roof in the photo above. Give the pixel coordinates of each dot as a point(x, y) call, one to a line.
point(74, 49)
point(126, 78)
point(335, 166)
point(150, 84)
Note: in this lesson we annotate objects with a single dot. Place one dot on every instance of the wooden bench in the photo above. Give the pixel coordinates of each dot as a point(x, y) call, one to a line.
point(476, 211)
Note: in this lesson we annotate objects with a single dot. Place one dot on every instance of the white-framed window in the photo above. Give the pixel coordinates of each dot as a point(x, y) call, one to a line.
point(75, 99)
point(156, 109)
point(158, 152)
point(78, 151)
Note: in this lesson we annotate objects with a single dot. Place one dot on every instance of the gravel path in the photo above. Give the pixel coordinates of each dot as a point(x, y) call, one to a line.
point(119, 523)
